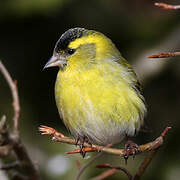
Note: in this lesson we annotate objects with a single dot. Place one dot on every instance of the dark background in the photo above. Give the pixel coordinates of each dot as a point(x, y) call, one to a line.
point(28, 32)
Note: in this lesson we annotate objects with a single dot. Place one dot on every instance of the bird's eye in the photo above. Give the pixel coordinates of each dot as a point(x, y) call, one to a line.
point(71, 51)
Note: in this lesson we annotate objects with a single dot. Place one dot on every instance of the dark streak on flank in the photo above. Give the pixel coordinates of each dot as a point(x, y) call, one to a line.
point(69, 36)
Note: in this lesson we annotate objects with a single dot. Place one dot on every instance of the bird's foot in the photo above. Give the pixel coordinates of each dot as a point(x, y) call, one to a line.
point(131, 148)
point(76, 141)
point(81, 142)
point(81, 150)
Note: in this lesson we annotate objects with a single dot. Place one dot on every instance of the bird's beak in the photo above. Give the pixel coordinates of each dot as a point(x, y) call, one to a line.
point(55, 61)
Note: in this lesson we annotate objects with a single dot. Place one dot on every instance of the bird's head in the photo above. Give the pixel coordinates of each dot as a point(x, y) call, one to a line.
point(82, 46)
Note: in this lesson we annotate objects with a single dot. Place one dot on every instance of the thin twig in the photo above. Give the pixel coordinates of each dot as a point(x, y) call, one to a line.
point(13, 86)
point(105, 174)
point(9, 166)
point(17, 176)
point(148, 158)
point(145, 164)
point(167, 6)
point(23, 158)
point(78, 164)
point(5, 150)
point(83, 168)
point(130, 177)
point(147, 70)
point(165, 55)
point(56, 136)
point(141, 169)
point(5, 145)
point(84, 149)
point(14, 139)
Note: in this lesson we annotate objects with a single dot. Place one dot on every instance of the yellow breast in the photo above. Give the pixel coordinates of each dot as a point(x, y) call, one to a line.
point(98, 101)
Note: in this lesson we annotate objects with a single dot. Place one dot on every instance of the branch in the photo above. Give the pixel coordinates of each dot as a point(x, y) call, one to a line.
point(148, 69)
point(141, 170)
point(148, 158)
point(13, 140)
point(83, 168)
point(105, 174)
point(116, 167)
point(167, 6)
point(145, 164)
point(165, 55)
point(13, 143)
point(59, 137)
point(5, 145)
point(9, 166)
point(25, 161)
point(13, 87)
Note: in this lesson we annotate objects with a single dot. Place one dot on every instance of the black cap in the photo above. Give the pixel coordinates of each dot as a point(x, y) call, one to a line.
point(69, 36)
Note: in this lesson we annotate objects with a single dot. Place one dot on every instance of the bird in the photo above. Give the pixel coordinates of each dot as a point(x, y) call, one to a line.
point(98, 95)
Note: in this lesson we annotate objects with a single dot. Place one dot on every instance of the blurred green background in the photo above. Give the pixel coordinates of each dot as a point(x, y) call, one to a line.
point(28, 33)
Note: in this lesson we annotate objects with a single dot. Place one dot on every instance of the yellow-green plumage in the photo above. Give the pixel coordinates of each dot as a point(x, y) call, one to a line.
point(97, 92)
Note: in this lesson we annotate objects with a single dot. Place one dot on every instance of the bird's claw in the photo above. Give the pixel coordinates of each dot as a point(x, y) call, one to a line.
point(131, 148)
point(83, 153)
point(81, 142)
